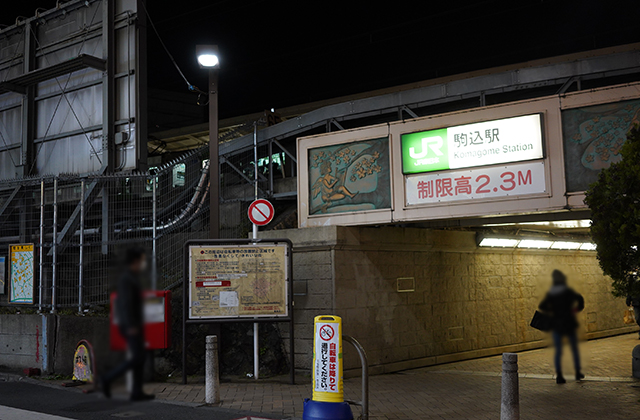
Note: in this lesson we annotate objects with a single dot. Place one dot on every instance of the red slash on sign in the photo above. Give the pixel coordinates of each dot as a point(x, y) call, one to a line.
point(261, 212)
point(326, 332)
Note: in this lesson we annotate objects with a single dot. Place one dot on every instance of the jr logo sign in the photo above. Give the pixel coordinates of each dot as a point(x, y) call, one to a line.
point(425, 151)
point(433, 143)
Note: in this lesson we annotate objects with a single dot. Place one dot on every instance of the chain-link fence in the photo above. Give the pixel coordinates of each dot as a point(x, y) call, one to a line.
point(79, 225)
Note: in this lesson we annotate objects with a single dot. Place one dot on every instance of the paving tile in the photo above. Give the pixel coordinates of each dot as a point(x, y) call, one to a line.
point(462, 390)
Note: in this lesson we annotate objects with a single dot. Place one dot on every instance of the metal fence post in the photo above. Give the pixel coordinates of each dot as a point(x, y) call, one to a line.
point(81, 262)
point(510, 406)
point(53, 246)
point(154, 259)
point(41, 267)
point(212, 377)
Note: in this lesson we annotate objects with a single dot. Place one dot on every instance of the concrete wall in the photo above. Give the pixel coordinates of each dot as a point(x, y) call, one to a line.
point(24, 341)
point(468, 301)
point(48, 341)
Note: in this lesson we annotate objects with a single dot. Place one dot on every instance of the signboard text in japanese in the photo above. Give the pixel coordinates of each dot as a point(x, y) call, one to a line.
point(465, 146)
point(479, 183)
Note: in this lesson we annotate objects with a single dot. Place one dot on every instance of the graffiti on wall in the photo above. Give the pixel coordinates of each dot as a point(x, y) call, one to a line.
point(593, 137)
point(350, 177)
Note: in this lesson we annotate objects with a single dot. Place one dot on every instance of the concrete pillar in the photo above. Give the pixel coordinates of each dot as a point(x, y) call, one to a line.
point(510, 406)
point(212, 375)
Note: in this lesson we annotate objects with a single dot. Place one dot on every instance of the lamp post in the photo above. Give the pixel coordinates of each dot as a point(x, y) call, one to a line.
point(208, 58)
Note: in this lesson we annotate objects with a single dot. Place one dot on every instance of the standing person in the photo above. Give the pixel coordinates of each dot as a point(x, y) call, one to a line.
point(635, 302)
point(562, 304)
point(130, 317)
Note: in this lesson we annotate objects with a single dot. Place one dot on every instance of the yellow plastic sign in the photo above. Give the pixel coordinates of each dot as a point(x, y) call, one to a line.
point(327, 359)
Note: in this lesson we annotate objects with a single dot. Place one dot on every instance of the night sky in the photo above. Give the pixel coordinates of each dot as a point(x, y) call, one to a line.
point(282, 53)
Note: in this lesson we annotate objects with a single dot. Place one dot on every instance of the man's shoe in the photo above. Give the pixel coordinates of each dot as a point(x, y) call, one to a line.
point(560, 380)
point(579, 376)
point(142, 397)
point(106, 388)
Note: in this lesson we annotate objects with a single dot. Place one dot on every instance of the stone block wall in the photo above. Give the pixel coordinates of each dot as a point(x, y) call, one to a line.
point(466, 301)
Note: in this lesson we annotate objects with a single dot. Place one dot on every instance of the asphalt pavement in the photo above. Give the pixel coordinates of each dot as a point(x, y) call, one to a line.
point(22, 399)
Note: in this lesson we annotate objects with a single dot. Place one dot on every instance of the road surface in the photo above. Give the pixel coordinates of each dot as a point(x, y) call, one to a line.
point(29, 400)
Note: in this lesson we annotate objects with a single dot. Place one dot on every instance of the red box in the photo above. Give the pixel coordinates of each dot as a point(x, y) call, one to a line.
point(157, 321)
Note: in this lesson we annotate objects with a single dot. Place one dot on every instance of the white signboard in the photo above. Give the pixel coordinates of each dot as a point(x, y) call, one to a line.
point(479, 144)
point(326, 356)
point(479, 183)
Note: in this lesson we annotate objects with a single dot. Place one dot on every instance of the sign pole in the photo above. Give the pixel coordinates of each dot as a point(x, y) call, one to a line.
point(256, 338)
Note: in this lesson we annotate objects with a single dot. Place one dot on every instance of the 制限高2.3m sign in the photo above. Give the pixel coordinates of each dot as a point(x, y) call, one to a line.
point(506, 140)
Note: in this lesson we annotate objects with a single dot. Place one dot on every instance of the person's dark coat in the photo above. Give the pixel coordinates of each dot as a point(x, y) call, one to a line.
point(562, 303)
point(633, 301)
point(129, 302)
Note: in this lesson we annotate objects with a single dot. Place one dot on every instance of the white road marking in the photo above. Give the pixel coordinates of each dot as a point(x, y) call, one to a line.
point(10, 413)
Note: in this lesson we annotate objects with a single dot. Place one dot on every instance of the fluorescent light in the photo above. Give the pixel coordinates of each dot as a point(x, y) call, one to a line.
point(534, 243)
point(566, 245)
point(499, 242)
point(561, 224)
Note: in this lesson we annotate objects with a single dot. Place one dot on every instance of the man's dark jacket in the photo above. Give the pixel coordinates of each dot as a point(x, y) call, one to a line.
point(562, 303)
point(129, 302)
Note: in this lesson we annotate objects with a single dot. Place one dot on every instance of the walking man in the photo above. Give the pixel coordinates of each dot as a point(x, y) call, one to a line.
point(129, 312)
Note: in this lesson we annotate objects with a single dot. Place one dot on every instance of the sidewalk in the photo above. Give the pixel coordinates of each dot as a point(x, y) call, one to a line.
point(462, 390)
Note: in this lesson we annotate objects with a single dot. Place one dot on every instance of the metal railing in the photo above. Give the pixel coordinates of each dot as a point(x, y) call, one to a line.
point(364, 402)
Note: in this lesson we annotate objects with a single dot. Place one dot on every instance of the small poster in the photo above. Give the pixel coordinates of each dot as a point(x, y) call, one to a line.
point(21, 273)
point(2, 275)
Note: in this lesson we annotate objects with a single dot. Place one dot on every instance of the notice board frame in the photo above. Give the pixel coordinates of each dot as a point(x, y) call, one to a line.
point(186, 287)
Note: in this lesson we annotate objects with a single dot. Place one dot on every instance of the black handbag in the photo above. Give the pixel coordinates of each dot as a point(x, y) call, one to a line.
point(541, 321)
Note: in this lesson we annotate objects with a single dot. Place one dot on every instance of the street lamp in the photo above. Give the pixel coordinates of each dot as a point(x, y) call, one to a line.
point(208, 58)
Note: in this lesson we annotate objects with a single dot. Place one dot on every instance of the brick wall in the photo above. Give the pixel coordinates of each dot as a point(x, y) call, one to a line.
point(467, 302)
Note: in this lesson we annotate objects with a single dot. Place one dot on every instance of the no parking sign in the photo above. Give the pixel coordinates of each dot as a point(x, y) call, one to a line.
point(261, 212)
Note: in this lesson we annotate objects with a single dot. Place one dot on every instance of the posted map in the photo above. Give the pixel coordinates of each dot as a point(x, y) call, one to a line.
point(238, 281)
point(21, 277)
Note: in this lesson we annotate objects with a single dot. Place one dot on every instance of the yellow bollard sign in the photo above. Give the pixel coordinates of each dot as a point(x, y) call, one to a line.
point(327, 359)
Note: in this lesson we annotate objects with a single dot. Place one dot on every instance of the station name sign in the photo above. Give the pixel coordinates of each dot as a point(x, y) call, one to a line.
point(506, 140)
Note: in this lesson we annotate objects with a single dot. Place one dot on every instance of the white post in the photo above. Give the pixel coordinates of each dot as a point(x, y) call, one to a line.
point(212, 378)
point(256, 337)
point(510, 406)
